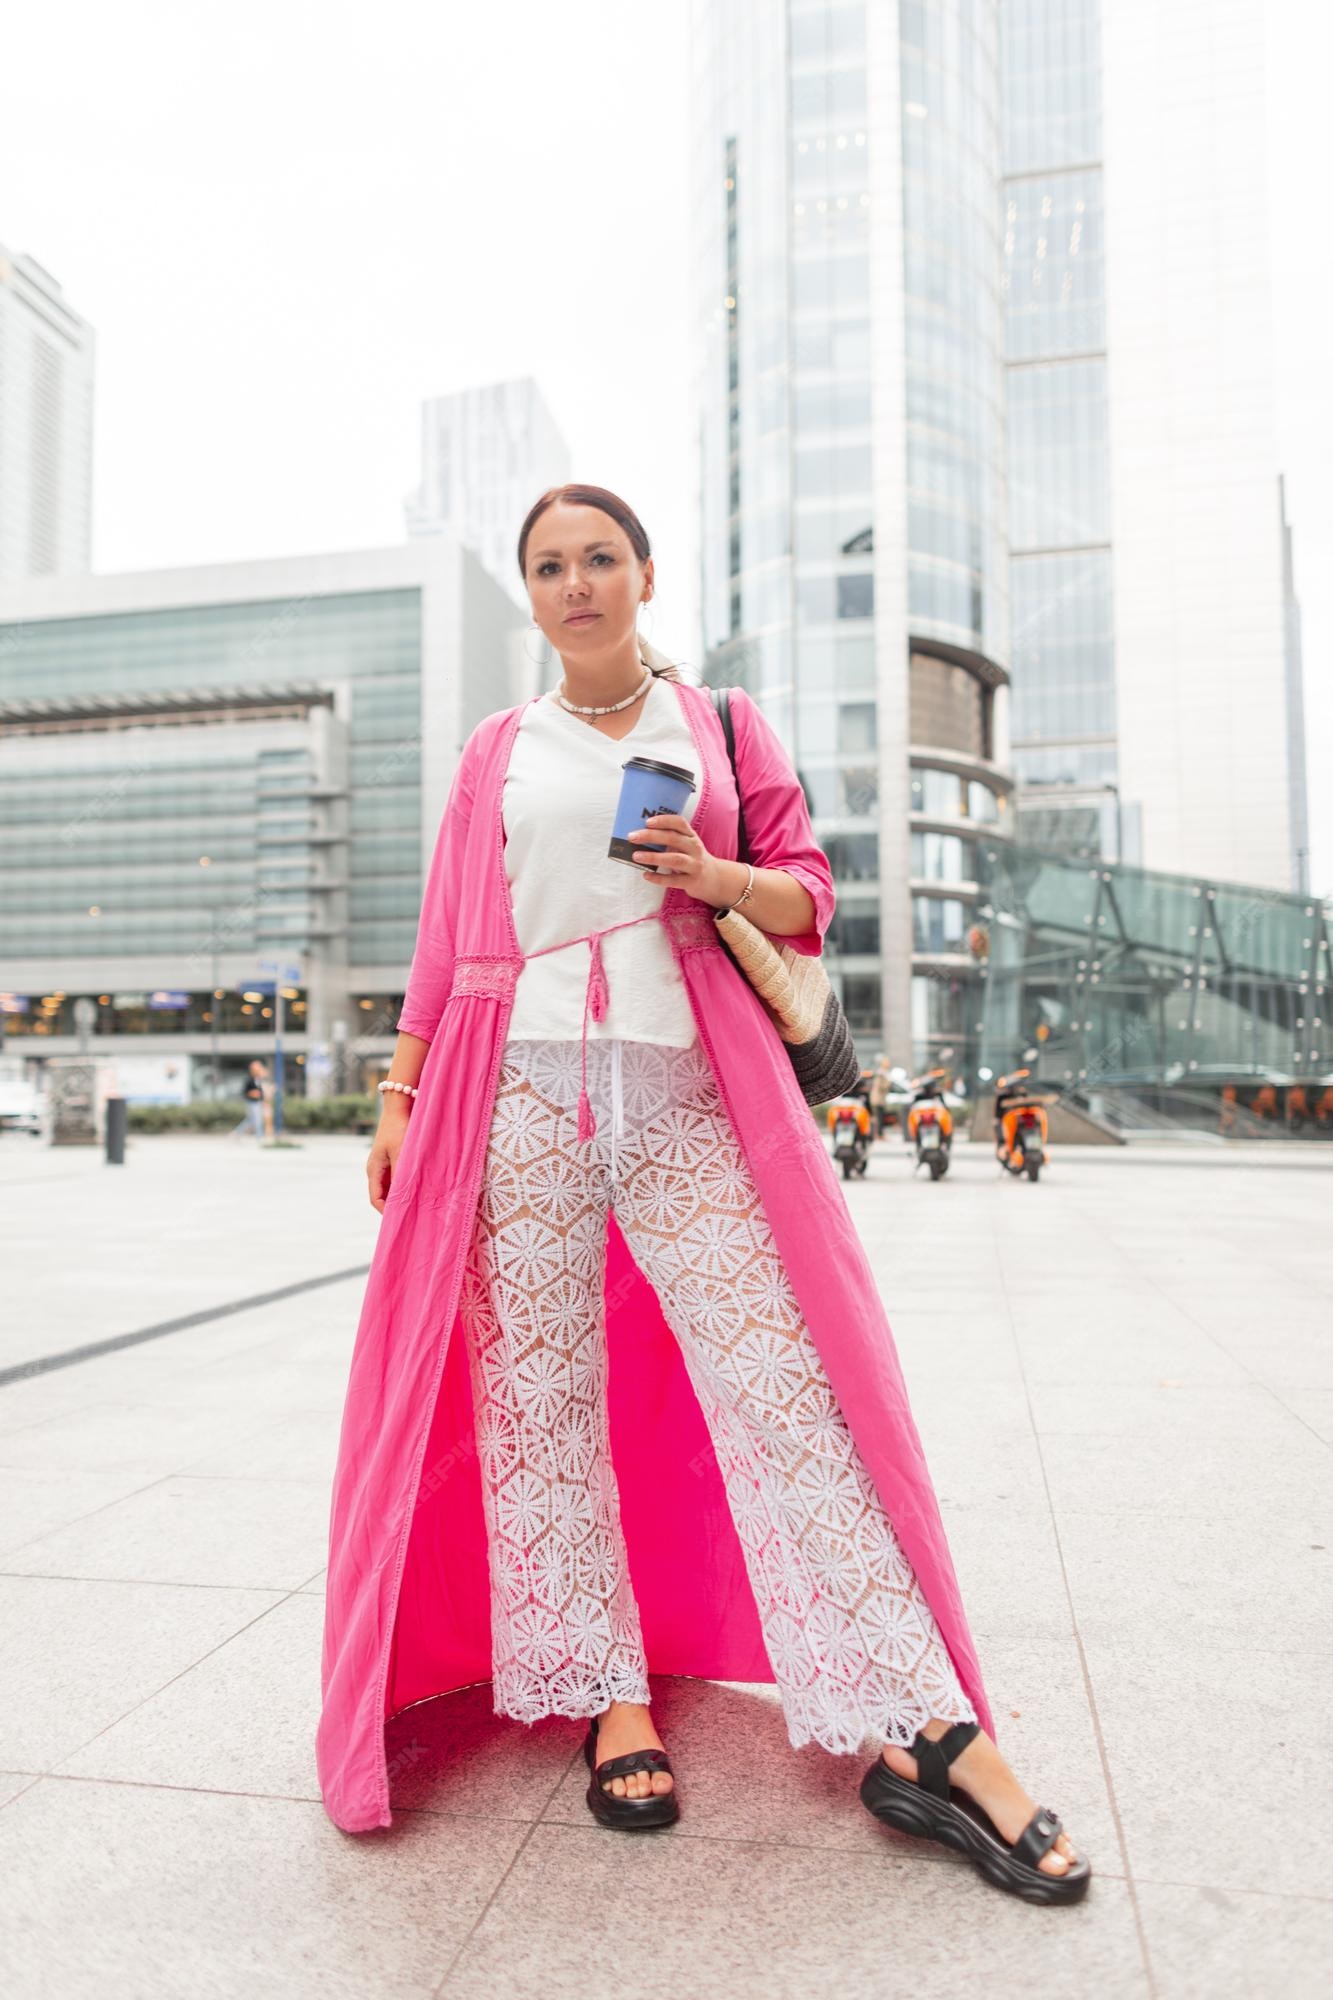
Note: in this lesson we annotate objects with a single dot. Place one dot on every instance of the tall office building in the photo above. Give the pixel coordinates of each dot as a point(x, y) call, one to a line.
point(1156, 660)
point(960, 338)
point(850, 384)
point(1059, 476)
point(46, 426)
point(486, 453)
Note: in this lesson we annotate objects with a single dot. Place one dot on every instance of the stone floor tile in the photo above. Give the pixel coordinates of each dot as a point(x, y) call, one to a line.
point(1230, 1579)
point(242, 1720)
point(139, 1891)
point(260, 1534)
point(1220, 1763)
point(34, 1502)
point(76, 1655)
point(138, 1437)
point(753, 1921)
point(1194, 1475)
point(454, 1754)
point(14, 1782)
point(1216, 1944)
point(302, 1444)
point(1025, 1594)
point(1168, 1406)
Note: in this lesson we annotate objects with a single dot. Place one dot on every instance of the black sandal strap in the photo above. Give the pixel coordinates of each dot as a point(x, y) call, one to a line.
point(933, 1759)
point(633, 1760)
point(1038, 1836)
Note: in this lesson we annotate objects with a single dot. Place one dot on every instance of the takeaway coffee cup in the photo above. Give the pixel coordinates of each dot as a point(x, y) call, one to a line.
point(648, 787)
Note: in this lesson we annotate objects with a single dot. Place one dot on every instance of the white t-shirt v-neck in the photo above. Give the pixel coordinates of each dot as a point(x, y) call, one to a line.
point(561, 788)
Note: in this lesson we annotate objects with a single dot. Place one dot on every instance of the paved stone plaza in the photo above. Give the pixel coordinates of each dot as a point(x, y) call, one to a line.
point(1124, 1382)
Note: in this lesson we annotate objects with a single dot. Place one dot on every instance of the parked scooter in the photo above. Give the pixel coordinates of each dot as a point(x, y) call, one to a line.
point(930, 1123)
point(849, 1122)
point(1020, 1125)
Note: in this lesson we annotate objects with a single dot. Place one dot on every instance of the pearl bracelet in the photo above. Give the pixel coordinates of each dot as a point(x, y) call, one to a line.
point(408, 1089)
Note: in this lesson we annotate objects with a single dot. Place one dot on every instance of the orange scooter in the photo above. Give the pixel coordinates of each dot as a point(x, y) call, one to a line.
point(1020, 1126)
point(849, 1123)
point(930, 1123)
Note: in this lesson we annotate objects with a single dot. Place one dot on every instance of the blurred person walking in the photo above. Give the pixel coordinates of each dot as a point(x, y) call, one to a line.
point(619, 1320)
point(880, 1084)
point(255, 1092)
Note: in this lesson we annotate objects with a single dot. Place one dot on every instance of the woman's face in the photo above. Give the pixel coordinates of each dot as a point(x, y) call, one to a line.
point(580, 567)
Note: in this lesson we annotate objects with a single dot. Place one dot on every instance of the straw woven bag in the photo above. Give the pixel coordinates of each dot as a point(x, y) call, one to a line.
point(794, 987)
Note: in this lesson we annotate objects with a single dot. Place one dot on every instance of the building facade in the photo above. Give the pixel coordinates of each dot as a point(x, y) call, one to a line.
point(1064, 726)
point(46, 426)
point(1157, 692)
point(486, 453)
point(850, 387)
point(987, 461)
point(213, 778)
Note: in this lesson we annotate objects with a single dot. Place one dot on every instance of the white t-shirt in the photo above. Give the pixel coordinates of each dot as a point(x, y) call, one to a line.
point(561, 788)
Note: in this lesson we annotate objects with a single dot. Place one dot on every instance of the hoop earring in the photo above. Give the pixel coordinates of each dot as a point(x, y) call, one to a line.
point(528, 650)
point(639, 631)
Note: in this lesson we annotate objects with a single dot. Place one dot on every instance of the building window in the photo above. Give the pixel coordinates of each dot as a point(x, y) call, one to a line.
point(860, 789)
point(943, 857)
point(856, 727)
point(1059, 483)
point(854, 931)
point(856, 596)
point(861, 1002)
point(853, 857)
point(939, 1007)
point(938, 924)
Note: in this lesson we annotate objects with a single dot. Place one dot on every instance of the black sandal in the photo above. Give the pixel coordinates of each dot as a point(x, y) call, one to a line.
point(630, 1815)
point(933, 1809)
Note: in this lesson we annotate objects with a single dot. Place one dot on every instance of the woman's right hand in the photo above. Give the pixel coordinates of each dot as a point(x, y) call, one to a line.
point(383, 1157)
point(409, 1062)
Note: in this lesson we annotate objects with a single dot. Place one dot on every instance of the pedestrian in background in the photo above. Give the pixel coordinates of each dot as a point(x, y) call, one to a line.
point(255, 1094)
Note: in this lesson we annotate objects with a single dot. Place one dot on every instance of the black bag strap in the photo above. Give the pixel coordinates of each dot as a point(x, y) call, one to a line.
point(718, 696)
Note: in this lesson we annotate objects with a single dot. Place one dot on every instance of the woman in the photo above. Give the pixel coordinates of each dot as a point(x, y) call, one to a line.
point(582, 1076)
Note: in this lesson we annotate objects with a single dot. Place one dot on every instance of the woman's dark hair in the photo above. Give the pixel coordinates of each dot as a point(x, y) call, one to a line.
point(623, 515)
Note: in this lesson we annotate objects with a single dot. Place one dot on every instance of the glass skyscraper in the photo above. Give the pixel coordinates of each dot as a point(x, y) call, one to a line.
point(46, 425)
point(852, 458)
point(1064, 713)
point(982, 403)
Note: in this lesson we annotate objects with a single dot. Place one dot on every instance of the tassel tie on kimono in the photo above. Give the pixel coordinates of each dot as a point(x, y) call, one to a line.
point(595, 1001)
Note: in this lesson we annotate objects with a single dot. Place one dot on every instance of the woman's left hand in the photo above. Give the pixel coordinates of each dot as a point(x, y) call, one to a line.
point(685, 862)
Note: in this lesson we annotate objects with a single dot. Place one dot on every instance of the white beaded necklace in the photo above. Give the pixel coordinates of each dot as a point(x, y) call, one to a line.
point(612, 707)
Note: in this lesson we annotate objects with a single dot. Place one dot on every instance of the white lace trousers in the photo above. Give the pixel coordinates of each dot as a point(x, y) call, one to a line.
point(854, 1647)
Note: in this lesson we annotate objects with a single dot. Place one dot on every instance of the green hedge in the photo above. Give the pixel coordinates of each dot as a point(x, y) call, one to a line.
point(299, 1114)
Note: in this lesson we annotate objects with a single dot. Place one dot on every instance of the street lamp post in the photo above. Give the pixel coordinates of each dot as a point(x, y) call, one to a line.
point(213, 1020)
point(292, 974)
point(215, 1066)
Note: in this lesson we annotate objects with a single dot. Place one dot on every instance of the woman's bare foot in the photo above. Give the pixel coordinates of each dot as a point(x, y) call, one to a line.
point(982, 1773)
point(627, 1726)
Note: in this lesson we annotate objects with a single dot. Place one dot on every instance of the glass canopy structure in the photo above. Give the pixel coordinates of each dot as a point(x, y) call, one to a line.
point(1205, 1003)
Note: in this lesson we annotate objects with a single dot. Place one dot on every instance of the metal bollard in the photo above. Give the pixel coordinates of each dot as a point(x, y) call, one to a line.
point(117, 1118)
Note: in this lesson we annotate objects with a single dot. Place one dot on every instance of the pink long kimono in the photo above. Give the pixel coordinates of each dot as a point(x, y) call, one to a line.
point(407, 1611)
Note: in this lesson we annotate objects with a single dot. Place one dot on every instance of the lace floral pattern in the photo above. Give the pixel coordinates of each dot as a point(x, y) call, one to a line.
point(493, 978)
point(854, 1646)
point(691, 929)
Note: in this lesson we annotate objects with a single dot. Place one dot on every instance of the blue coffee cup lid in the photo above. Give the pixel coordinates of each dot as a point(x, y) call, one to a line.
point(667, 770)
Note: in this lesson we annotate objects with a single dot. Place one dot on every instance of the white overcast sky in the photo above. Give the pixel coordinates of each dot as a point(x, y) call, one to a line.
point(290, 223)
